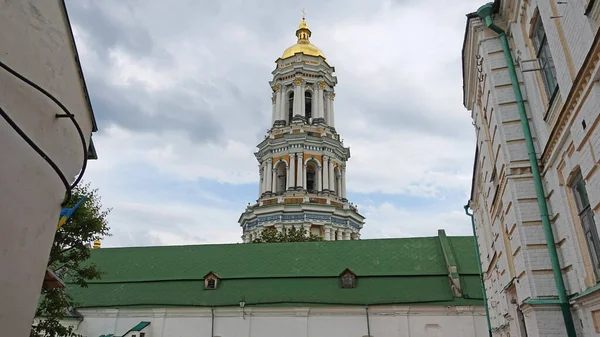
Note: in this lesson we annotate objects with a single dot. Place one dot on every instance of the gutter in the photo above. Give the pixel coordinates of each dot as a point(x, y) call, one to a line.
point(485, 13)
point(487, 312)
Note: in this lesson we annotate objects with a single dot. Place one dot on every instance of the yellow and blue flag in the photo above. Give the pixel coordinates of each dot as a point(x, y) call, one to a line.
point(66, 213)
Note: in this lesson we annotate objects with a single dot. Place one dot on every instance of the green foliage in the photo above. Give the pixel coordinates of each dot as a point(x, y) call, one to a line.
point(68, 259)
point(270, 235)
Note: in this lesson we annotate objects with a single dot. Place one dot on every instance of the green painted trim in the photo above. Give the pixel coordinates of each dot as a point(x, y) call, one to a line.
point(586, 292)
point(485, 13)
point(542, 301)
point(487, 312)
point(447, 249)
point(510, 283)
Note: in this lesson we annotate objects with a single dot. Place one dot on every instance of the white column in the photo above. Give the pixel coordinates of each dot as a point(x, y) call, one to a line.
point(315, 101)
point(278, 105)
point(319, 174)
point(268, 175)
point(346, 234)
point(274, 181)
point(339, 234)
point(303, 100)
point(304, 176)
point(331, 113)
point(307, 229)
point(292, 171)
point(298, 97)
point(343, 182)
point(300, 178)
point(338, 187)
point(261, 183)
point(325, 173)
point(274, 110)
point(326, 107)
point(327, 233)
point(319, 99)
point(331, 176)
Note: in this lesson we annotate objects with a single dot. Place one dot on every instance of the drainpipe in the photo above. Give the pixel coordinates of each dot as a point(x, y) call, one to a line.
point(368, 323)
point(487, 312)
point(485, 13)
point(212, 322)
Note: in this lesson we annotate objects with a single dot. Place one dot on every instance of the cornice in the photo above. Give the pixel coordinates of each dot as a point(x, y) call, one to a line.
point(285, 311)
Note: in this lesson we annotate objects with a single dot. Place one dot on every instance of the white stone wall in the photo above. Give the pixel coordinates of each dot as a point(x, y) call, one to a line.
point(36, 42)
point(510, 235)
point(388, 321)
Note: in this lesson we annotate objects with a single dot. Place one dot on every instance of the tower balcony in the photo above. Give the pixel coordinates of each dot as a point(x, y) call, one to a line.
point(301, 197)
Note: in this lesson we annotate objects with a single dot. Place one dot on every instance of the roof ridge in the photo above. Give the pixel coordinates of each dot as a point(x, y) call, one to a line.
point(282, 243)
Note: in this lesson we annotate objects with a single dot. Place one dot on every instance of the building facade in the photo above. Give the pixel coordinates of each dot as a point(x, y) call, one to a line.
point(419, 287)
point(37, 43)
point(530, 74)
point(302, 161)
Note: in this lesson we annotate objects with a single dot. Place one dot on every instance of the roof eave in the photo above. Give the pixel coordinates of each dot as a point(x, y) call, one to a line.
point(78, 65)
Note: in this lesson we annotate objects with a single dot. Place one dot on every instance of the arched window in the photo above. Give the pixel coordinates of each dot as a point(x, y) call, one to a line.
point(281, 178)
point(337, 182)
point(308, 105)
point(290, 107)
point(311, 176)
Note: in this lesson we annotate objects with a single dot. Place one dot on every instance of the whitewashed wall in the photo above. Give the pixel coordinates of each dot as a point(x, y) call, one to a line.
point(35, 41)
point(385, 321)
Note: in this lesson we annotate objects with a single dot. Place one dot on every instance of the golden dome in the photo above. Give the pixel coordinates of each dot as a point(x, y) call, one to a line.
point(97, 244)
point(303, 45)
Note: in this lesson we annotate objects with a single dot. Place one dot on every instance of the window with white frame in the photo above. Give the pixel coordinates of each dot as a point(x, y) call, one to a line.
point(586, 216)
point(542, 51)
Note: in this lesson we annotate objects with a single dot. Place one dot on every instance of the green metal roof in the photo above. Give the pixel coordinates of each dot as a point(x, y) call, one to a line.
point(388, 271)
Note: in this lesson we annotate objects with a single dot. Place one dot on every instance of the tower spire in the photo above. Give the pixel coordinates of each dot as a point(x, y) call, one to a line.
point(303, 33)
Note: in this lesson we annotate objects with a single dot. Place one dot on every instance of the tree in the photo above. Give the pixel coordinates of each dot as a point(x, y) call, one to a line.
point(68, 260)
point(270, 235)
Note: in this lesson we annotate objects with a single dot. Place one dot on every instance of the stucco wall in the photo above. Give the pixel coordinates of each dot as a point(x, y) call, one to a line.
point(385, 321)
point(36, 42)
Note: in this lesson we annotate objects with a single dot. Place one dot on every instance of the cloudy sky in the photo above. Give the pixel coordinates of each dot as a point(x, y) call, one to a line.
point(180, 92)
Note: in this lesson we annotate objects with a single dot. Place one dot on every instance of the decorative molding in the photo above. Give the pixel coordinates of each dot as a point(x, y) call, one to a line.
point(306, 310)
point(572, 101)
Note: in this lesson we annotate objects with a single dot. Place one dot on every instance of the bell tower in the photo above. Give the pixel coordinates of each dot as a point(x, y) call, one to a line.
point(302, 162)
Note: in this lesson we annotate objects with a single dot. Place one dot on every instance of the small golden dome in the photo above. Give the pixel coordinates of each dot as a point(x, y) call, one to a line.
point(303, 45)
point(97, 244)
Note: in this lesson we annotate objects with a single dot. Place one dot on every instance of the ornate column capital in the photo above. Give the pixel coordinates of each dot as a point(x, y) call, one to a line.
point(277, 87)
point(333, 96)
point(298, 81)
point(269, 160)
point(322, 85)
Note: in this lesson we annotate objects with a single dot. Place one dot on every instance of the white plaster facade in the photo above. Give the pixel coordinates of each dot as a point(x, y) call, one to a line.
point(302, 162)
point(562, 100)
point(388, 321)
point(37, 42)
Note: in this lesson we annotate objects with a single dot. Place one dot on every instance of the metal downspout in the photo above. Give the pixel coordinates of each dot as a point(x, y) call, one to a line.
point(368, 323)
point(485, 13)
point(212, 322)
point(487, 312)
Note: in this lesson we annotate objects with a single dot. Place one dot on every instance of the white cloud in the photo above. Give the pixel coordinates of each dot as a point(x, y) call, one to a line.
point(171, 224)
point(388, 221)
